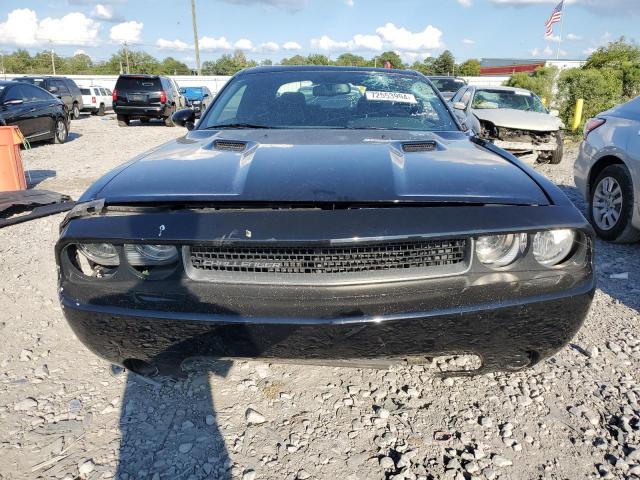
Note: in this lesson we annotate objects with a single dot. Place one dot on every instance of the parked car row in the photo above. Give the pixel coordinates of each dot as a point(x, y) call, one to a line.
point(96, 100)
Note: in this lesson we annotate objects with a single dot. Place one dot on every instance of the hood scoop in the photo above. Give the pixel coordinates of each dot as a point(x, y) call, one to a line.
point(414, 147)
point(229, 145)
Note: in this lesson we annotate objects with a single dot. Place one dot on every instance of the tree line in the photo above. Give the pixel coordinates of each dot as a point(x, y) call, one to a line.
point(132, 61)
point(610, 76)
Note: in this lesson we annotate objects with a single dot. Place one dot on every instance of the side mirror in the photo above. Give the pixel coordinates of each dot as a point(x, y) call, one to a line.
point(206, 95)
point(459, 106)
point(17, 101)
point(53, 89)
point(185, 117)
point(554, 112)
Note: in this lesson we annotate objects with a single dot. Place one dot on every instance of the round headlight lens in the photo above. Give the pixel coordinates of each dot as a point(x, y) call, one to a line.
point(553, 246)
point(100, 253)
point(138, 255)
point(500, 250)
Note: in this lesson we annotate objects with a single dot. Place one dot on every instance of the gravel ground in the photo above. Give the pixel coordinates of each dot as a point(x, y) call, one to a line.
point(64, 413)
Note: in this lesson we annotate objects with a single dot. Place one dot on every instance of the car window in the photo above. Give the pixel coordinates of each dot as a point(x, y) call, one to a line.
point(514, 99)
point(35, 94)
point(140, 84)
point(62, 87)
point(458, 95)
point(448, 84)
point(85, 91)
point(15, 92)
point(103, 92)
point(331, 99)
point(96, 92)
point(109, 93)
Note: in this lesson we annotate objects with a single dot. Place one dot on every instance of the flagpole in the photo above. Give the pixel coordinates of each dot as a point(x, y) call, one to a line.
point(561, 25)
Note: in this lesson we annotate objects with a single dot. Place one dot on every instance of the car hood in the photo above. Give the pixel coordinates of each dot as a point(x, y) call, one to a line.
point(281, 166)
point(519, 119)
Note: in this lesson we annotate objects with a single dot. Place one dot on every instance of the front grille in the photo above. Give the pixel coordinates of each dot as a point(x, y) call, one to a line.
point(393, 256)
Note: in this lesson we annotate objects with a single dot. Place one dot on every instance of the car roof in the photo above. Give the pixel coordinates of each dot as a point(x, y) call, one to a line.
point(452, 77)
point(139, 75)
point(323, 68)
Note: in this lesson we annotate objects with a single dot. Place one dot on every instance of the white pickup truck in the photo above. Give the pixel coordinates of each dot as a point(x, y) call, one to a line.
point(96, 99)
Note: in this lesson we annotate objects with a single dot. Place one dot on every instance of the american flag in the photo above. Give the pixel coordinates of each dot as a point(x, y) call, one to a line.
point(555, 17)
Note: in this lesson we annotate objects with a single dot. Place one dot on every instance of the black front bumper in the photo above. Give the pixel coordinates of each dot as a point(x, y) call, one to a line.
point(511, 318)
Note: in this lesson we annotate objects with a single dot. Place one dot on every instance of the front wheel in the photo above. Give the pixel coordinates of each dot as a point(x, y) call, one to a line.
point(168, 121)
point(61, 132)
point(556, 157)
point(101, 110)
point(611, 205)
point(75, 111)
point(123, 121)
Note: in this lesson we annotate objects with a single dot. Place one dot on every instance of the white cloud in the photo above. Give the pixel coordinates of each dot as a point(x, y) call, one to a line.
point(367, 42)
point(552, 38)
point(468, 41)
point(128, 32)
point(176, 45)
point(535, 52)
point(106, 13)
point(548, 51)
point(267, 47)
point(292, 46)
point(243, 44)
point(573, 37)
point(589, 51)
point(328, 44)
point(215, 44)
point(80, 52)
point(22, 28)
point(600, 7)
point(404, 40)
point(466, 3)
point(349, 3)
point(412, 57)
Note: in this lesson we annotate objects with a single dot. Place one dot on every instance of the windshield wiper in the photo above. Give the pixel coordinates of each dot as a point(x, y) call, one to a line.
point(237, 125)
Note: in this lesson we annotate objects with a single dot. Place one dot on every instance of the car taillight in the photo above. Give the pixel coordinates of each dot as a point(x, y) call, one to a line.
point(114, 95)
point(93, 99)
point(591, 125)
point(163, 97)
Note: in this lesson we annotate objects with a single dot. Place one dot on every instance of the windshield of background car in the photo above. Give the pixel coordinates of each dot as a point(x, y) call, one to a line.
point(193, 92)
point(448, 84)
point(330, 99)
point(517, 100)
point(139, 84)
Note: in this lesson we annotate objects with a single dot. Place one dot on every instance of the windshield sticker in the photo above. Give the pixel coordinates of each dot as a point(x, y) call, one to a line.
point(391, 97)
point(524, 93)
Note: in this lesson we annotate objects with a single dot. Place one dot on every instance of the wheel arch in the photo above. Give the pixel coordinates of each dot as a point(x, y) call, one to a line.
point(599, 166)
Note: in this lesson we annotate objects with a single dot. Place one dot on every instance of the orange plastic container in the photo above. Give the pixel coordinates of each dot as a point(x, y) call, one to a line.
point(11, 170)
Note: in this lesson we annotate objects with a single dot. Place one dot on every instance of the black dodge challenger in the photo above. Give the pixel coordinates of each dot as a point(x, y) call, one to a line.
point(325, 214)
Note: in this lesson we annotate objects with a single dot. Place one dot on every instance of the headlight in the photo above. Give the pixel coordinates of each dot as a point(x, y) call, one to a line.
point(500, 250)
point(553, 246)
point(138, 255)
point(100, 253)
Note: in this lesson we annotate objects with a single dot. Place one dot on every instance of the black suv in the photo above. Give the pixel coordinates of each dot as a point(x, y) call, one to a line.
point(62, 87)
point(145, 97)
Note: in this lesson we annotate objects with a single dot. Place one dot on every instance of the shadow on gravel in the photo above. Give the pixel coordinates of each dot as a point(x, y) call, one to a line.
point(613, 259)
point(169, 430)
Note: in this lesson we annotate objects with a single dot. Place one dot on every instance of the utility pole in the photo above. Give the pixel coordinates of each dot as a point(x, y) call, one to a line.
point(53, 61)
point(126, 54)
point(4, 72)
point(195, 36)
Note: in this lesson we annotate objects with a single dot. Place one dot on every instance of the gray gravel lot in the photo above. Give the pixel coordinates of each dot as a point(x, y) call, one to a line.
point(65, 414)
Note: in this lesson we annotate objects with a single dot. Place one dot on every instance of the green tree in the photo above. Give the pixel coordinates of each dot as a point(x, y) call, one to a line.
point(540, 82)
point(391, 57)
point(350, 60)
point(445, 64)
point(79, 64)
point(469, 68)
point(295, 60)
point(426, 67)
point(171, 66)
point(228, 64)
point(19, 61)
point(601, 89)
point(317, 59)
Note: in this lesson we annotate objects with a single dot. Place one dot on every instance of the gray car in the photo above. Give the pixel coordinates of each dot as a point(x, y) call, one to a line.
point(607, 172)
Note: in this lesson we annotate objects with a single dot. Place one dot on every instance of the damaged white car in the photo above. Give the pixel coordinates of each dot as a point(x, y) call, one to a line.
point(513, 119)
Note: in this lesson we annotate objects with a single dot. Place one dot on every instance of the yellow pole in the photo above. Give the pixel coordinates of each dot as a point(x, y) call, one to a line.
point(544, 101)
point(577, 114)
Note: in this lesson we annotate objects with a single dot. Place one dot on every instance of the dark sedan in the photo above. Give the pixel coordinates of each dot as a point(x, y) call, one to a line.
point(369, 228)
point(38, 114)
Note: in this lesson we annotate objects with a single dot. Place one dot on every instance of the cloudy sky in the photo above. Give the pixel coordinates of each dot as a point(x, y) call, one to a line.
point(279, 28)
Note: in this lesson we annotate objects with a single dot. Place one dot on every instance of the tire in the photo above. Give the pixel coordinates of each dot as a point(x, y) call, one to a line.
point(60, 132)
point(75, 111)
point(100, 111)
point(123, 121)
point(556, 157)
point(168, 121)
point(145, 120)
point(611, 205)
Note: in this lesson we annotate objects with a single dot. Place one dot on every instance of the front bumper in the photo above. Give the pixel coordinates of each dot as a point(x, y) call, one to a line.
point(511, 318)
